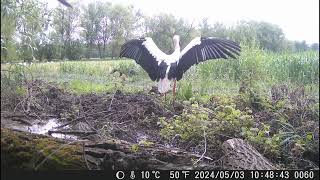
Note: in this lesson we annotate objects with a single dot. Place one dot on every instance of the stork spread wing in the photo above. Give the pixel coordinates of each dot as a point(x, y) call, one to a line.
point(202, 49)
point(146, 53)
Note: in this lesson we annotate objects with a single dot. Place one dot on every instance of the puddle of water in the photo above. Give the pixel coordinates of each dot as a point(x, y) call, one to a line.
point(44, 128)
point(64, 136)
point(51, 124)
point(38, 128)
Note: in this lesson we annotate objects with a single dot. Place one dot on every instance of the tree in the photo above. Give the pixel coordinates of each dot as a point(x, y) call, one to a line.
point(122, 23)
point(105, 34)
point(28, 27)
point(44, 45)
point(262, 34)
point(9, 11)
point(270, 36)
point(315, 46)
point(300, 46)
point(217, 30)
point(90, 22)
point(205, 28)
point(161, 29)
point(30, 30)
point(186, 30)
point(66, 25)
point(245, 32)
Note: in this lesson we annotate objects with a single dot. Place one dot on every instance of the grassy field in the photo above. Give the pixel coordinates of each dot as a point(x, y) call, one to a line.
point(234, 98)
point(260, 68)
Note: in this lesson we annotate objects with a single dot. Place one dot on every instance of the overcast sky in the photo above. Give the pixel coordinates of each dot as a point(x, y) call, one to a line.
point(299, 19)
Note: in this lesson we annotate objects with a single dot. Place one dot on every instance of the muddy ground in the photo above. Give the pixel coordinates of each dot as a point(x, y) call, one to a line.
point(129, 117)
point(132, 119)
point(127, 124)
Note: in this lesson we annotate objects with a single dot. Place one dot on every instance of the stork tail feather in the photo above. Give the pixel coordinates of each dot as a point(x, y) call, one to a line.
point(164, 85)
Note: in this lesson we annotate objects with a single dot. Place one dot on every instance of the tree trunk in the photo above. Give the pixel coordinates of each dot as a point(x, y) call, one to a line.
point(241, 155)
point(99, 48)
point(21, 150)
point(104, 49)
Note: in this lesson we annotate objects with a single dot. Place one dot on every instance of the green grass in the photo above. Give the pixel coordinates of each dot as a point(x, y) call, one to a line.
point(262, 68)
point(212, 77)
point(232, 113)
point(79, 86)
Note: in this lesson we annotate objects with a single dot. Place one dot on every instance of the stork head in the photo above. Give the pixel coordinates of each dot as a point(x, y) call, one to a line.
point(176, 40)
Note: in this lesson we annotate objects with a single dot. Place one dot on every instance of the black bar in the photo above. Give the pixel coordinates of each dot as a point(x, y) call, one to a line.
point(160, 174)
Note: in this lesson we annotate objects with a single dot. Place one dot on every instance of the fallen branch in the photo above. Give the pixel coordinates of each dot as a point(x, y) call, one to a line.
point(22, 121)
point(109, 109)
point(63, 125)
point(47, 157)
point(109, 154)
point(205, 147)
point(73, 132)
point(84, 156)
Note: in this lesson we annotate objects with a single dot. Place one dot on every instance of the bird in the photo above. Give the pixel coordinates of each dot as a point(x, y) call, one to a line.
point(166, 68)
point(65, 3)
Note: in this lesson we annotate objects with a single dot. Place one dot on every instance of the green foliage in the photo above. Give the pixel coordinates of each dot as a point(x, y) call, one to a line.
point(66, 23)
point(257, 65)
point(189, 125)
point(81, 87)
point(13, 79)
point(231, 119)
point(146, 143)
point(28, 155)
point(302, 68)
point(221, 118)
point(185, 91)
point(135, 148)
point(98, 30)
point(126, 68)
point(260, 137)
point(276, 128)
point(282, 129)
point(162, 27)
point(74, 50)
point(47, 52)
point(8, 47)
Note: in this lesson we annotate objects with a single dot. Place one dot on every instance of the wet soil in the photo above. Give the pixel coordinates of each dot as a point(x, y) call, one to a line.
point(47, 109)
point(117, 131)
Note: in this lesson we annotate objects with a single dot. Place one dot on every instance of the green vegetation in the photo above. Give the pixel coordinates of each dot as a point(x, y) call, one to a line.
point(256, 67)
point(38, 153)
point(269, 99)
point(98, 29)
point(276, 128)
point(269, 96)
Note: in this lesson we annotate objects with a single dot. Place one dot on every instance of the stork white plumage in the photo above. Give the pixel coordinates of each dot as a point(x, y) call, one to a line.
point(167, 68)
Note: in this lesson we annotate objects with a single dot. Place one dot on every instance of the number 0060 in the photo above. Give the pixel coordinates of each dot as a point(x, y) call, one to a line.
point(303, 174)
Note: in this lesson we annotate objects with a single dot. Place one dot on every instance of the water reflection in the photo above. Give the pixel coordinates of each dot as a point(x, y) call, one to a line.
point(43, 128)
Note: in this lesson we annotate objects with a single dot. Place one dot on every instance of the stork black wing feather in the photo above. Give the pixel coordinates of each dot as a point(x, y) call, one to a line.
point(134, 49)
point(221, 54)
point(230, 44)
point(225, 51)
point(209, 48)
point(232, 48)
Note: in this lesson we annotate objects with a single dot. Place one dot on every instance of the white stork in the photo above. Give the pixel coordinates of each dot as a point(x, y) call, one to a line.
point(166, 68)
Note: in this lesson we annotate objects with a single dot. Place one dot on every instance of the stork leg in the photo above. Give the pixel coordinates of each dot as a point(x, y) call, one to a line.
point(174, 91)
point(165, 96)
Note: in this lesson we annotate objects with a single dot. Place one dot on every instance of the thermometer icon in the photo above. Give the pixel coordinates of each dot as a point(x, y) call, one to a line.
point(132, 176)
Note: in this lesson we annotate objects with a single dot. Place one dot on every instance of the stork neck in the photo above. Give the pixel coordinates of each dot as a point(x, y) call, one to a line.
point(176, 46)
